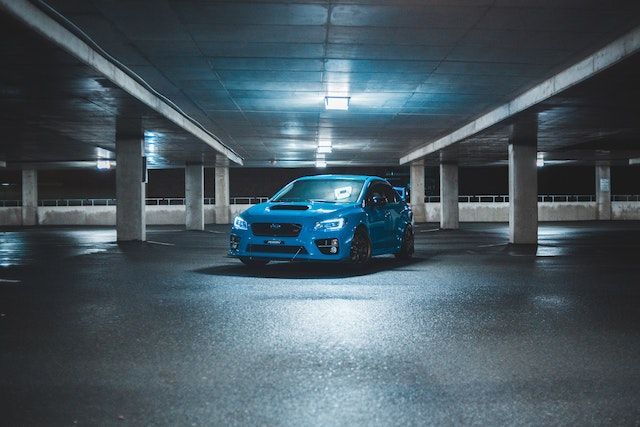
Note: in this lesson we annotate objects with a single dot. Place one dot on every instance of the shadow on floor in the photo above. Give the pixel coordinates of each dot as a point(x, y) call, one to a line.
point(307, 270)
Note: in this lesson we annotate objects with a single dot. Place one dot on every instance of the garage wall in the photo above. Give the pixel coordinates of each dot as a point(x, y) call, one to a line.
point(10, 216)
point(175, 215)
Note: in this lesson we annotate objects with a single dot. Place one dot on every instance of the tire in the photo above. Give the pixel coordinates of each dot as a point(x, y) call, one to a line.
point(251, 262)
point(360, 252)
point(408, 245)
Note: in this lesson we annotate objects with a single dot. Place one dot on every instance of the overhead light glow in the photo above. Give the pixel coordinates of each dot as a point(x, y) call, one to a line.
point(320, 156)
point(103, 164)
point(336, 102)
point(324, 143)
point(324, 150)
point(321, 164)
point(540, 160)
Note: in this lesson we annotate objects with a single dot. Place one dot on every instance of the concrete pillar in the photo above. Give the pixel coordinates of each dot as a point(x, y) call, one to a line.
point(417, 191)
point(523, 183)
point(30, 197)
point(194, 196)
point(222, 195)
point(130, 180)
point(603, 191)
point(449, 212)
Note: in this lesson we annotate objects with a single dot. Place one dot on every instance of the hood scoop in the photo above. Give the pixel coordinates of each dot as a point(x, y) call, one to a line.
point(289, 208)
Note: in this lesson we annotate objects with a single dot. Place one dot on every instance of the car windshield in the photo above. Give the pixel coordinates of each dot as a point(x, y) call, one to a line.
point(321, 190)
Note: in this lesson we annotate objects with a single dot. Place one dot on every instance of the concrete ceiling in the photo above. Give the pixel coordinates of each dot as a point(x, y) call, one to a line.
point(255, 73)
point(596, 120)
point(58, 112)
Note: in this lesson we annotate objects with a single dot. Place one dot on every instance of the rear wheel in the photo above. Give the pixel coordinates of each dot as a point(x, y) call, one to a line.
point(408, 245)
point(360, 252)
point(252, 262)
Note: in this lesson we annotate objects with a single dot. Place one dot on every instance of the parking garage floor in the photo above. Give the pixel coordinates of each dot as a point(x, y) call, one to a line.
point(472, 331)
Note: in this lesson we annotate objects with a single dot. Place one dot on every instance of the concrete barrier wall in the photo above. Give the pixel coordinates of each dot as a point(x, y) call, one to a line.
point(11, 216)
point(625, 211)
point(106, 215)
point(499, 212)
point(175, 215)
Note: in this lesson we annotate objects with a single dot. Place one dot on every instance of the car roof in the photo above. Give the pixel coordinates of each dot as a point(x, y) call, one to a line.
point(350, 177)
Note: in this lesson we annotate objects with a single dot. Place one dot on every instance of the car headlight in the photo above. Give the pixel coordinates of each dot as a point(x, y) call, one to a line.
point(330, 224)
point(240, 223)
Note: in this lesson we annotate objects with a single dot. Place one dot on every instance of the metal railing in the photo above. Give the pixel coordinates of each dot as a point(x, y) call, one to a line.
point(550, 198)
point(170, 201)
point(153, 201)
point(77, 202)
point(626, 198)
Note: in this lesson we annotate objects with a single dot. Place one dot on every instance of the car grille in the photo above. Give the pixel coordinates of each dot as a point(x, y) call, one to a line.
point(275, 229)
point(278, 249)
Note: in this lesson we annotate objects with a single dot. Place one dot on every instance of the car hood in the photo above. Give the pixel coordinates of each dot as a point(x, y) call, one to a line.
point(283, 211)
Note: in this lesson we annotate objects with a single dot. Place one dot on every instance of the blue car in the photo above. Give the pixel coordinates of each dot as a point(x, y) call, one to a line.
point(325, 218)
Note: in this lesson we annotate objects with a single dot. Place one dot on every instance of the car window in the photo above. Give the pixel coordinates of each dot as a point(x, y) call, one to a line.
point(389, 193)
point(383, 191)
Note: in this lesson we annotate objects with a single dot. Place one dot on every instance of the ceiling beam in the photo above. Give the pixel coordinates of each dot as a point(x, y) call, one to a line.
point(42, 23)
point(600, 60)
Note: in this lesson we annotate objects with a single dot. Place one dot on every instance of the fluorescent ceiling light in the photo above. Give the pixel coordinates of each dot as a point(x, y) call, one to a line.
point(320, 156)
point(324, 150)
point(321, 164)
point(324, 143)
point(336, 102)
point(540, 160)
point(103, 164)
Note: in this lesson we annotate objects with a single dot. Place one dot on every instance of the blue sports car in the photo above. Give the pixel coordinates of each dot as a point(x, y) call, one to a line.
point(325, 218)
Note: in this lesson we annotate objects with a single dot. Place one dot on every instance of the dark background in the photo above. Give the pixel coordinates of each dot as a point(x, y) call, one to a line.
point(54, 184)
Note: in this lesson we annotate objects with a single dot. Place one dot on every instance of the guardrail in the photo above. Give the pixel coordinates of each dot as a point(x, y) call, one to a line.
point(550, 198)
point(154, 201)
point(626, 198)
point(169, 201)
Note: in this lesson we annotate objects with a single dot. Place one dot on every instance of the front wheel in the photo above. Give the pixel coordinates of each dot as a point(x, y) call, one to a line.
point(408, 245)
point(360, 252)
point(252, 262)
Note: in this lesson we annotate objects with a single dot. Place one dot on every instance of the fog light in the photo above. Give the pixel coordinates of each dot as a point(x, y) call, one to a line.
point(334, 242)
point(234, 242)
point(333, 250)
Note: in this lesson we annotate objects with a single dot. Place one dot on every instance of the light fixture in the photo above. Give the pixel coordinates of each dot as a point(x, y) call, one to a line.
point(103, 164)
point(336, 102)
point(321, 164)
point(324, 150)
point(320, 156)
point(540, 160)
point(324, 143)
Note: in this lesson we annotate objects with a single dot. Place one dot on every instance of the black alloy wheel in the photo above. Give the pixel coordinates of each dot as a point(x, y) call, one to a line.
point(408, 245)
point(360, 252)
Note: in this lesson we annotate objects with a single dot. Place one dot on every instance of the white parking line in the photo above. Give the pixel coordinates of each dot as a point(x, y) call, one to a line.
point(493, 245)
point(160, 243)
point(430, 230)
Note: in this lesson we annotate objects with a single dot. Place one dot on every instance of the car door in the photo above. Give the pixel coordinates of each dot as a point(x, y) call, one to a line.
point(379, 216)
point(393, 217)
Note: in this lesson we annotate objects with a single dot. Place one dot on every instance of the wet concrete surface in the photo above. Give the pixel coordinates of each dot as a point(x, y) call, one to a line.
point(170, 332)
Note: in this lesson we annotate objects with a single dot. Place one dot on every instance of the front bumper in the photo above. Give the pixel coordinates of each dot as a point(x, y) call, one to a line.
point(309, 245)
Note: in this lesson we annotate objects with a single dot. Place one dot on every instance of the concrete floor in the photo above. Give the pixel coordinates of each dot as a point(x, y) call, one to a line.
point(173, 333)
